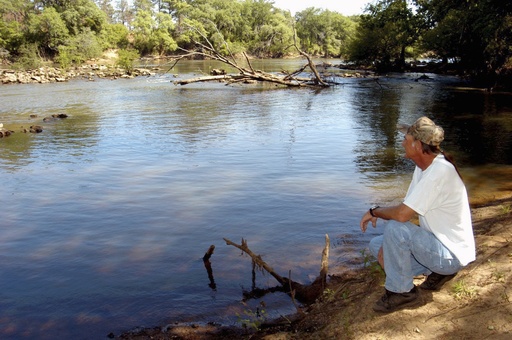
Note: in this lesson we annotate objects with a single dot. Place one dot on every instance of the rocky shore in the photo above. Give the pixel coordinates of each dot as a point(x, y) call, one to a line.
point(48, 74)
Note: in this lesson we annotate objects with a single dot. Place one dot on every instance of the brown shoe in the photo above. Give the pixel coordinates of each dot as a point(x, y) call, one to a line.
point(391, 302)
point(435, 281)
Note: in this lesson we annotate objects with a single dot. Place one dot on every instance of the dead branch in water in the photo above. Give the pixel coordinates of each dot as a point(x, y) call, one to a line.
point(304, 293)
point(247, 74)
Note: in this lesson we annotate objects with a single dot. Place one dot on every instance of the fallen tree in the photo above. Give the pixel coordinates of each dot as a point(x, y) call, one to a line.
point(248, 73)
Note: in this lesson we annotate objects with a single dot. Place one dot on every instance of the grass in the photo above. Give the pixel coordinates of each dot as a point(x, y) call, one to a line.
point(506, 209)
point(253, 319)
point(370, 262)
point(462, 291)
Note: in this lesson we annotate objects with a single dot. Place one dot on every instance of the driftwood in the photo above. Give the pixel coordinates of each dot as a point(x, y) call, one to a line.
point(304, 293)
point(248, 74)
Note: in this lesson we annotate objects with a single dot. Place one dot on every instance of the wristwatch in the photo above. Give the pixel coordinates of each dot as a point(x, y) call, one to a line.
point(372, 209)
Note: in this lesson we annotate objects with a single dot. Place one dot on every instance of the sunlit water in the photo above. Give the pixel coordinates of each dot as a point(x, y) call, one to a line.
point(106, 215)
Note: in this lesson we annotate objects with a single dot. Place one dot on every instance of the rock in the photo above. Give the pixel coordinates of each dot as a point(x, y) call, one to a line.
point(218, 72)
point(9, 78)
point(50, 74)
point(5, 132)
point(36, 129)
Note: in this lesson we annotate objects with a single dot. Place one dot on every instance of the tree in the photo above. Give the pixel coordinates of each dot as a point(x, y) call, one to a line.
point(384, 34)
point(153, 34)
point(13, 15)
point(114, 36)
point(82, 15)
point(143, 5)
point(48, 30)
point(477, 34)
point(309, 30)
point(323, 32)
point(124, 14)
point(163, 34)
point(268, 35)
point(108, 9)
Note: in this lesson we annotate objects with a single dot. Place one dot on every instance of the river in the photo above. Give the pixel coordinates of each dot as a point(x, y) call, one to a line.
point(106, 214)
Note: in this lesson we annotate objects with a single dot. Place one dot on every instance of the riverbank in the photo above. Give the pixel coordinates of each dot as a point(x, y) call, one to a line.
point(476, 304)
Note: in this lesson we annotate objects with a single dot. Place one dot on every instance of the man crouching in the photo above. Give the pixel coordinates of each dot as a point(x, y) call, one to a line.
point(443, 243)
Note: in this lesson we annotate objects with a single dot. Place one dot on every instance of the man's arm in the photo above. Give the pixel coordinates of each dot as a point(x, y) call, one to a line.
point(400, 213)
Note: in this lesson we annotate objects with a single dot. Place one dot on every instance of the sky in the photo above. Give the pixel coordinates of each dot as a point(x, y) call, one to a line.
point(345, 7)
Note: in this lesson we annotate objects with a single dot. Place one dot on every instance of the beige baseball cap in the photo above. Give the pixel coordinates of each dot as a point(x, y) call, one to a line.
point(424, 130)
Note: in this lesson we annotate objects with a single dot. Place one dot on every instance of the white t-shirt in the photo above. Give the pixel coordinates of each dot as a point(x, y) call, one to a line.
point(439, 196)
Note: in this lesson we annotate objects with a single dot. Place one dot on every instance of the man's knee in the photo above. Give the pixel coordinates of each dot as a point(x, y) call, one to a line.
point(396, 232)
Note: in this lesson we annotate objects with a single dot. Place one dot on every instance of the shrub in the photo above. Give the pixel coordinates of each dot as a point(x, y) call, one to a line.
point(127, 59)
point(28, 57)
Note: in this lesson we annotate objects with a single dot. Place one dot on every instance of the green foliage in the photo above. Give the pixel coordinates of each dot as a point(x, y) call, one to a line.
point(328, 295)
point(78, 49)
point(11, 35)
point(273, 39)
point(323, 32)
point(370, 262)
point(461, 290)
point(65, 57)
point(476, 34)
point(28, 58)
point(385, 34)
point(47, 30)
point(114, 36)
point(82, 15)
point(253, 319)
point(153, 34)
point(127, 59)
point(506, 209)
point(86, 45)
point(123, 14)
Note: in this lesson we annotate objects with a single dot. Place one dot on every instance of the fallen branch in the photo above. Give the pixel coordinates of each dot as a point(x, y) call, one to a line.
point(310, 62)
point(306, 294)
point(208, 51)
point(258, 260)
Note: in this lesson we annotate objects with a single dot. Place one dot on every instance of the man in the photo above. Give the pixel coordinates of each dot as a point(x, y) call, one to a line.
point(443, 243)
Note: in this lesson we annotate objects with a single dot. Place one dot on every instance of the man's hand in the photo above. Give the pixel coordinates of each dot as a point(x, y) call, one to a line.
point(367, 218)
